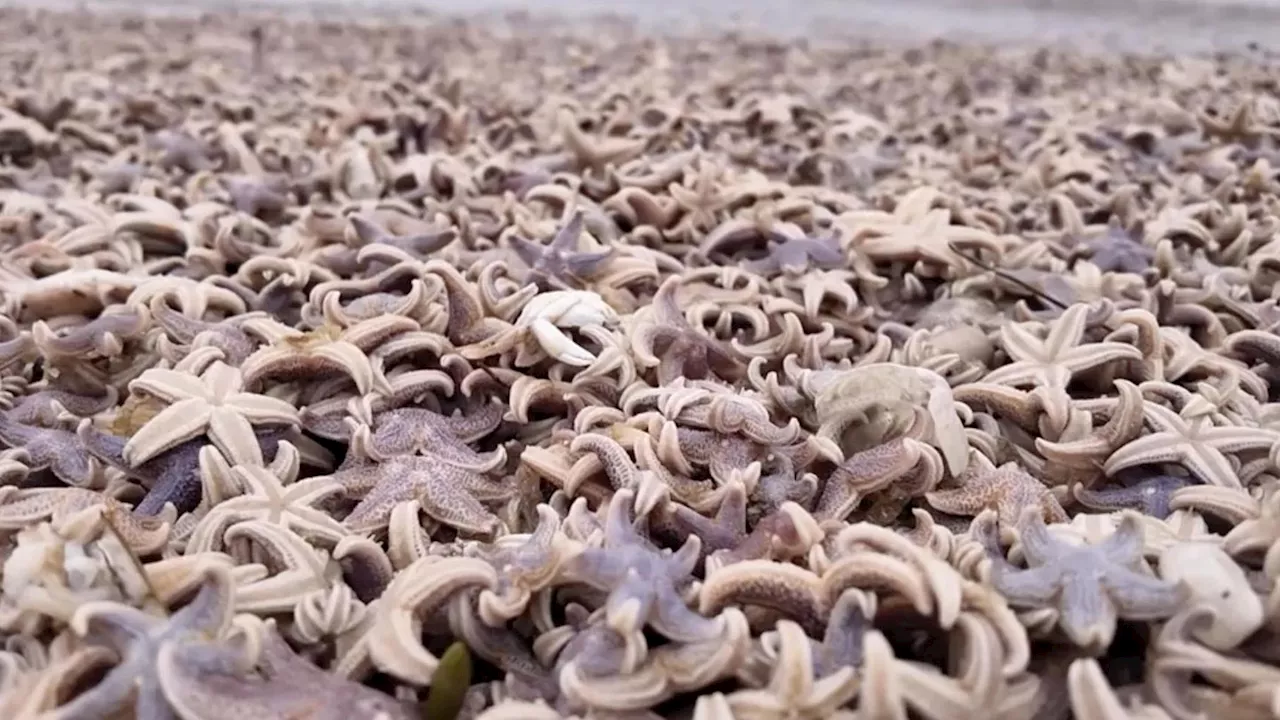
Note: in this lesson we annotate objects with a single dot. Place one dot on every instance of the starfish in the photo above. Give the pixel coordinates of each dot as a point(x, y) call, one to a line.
point(643, 582)
point(930, 237)
point(46, 408)
point(668, 341)
point(794, 691)
point(1151, 496)
point(560, 265)
point(406, 431)
point(794, 256)
point(1193, 442)
point(863, 473)
point(450, 494)
point(141, 639)
point(291, 568)
point(417, 245)
point(277, 497)
point(208, 681)
point(1053, 361)
point(172, 476)
point(51, 448)
point(1090, 585)
point(1118, 250)
point(23, 508)
point(1007, 489)
point(181, 150)
point(325, 351)
point(214, 403)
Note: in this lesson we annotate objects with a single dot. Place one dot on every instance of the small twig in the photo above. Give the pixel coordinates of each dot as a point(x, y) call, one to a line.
point(973, 258)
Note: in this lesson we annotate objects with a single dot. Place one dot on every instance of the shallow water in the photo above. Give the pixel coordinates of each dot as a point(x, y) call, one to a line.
point(1129, 25)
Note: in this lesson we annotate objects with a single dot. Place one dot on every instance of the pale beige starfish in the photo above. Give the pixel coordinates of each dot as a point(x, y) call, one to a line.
point(1192, 441)
point(1053, 360)
point(215, 403)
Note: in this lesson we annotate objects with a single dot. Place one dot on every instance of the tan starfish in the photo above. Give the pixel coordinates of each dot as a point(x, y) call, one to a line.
point(1055, 359)
point(1006, 489)
point(1193, 442)
point(214, 403)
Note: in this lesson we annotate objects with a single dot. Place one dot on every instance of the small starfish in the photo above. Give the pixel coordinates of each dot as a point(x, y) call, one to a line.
point(291, 568)
point(325, 351)
point(141, 639)
point(51, 448)
point(208, 681)
point(795, 692)
point(275, 496)
point(1091, 585)
point(643, 582)
point(668, 341)
point(560, 265)
point(419, 245)
point(1151, 496)
point(448, 493)
point(182, 151)
point(1053, 361)
point(406, 431)
point(214, 403)
point(1193, 442)
point(793, 256)
point(1007, 489)
point(1119, 250)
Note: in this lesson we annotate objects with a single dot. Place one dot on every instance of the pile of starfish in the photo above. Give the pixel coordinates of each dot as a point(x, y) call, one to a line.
point(710, 377)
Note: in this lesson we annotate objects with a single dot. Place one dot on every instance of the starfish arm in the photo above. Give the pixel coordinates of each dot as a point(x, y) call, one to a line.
point(445, 499)
point(674, 619)
point(151, 703)
point(1036, 587)
point(1142, 597)
point(262, 409)
point(1237, 439)
point(170, 386)
point(374, 510)
point(211, 609)
point(232, 434)
point(172, 426)
point(1092, 355)
point(103, 700)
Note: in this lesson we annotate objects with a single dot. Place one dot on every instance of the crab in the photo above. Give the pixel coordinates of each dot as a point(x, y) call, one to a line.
point(548, 314)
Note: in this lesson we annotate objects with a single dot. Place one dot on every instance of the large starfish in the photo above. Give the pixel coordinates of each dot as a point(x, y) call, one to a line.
point(452, 495)
point(410, 430)
point(643, 582)
point(214, 403)
point(1193, 442)
point(1059, 356)
point(1089, 585)
point(207, 681)
point(560, 265)
point(140, 639)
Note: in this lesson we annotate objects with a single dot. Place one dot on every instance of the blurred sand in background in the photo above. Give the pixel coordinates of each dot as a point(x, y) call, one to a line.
point(1178, 26)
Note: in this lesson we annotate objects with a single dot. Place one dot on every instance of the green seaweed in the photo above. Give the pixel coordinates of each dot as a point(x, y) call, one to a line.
point(449, 685)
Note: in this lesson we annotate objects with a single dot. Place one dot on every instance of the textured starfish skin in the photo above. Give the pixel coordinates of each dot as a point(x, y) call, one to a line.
point(1090, 585)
